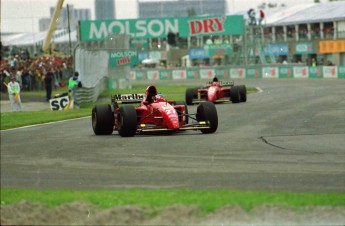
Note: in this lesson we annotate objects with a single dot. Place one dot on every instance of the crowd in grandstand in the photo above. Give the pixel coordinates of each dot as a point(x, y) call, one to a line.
point(31, 71)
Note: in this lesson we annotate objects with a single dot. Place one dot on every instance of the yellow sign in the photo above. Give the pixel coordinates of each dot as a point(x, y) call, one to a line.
point(335, 46)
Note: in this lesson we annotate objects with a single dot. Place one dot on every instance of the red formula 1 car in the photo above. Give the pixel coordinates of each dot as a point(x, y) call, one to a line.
point(217, 92)
point(154, 114)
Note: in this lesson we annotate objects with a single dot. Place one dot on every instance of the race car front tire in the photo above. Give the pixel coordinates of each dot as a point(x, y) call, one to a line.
point(207, 112)
point(102, 119)
point(235, 94)
point(190, 95)
point(127, 121)
point(243, 93)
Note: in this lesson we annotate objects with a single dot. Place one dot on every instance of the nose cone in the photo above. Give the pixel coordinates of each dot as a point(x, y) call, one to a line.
point(212, 94)
point(172, 122)
point(175, 124)
point(170, 116)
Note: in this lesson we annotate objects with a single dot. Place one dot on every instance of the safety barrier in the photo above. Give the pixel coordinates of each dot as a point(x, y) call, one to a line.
point(238, 72)
point(91, 94)
point(92, 63)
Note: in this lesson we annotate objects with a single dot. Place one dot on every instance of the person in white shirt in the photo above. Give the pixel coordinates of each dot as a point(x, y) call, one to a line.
point(13, 88)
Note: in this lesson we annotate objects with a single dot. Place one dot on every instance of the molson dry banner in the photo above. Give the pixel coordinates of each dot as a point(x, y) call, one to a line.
point(96, 30)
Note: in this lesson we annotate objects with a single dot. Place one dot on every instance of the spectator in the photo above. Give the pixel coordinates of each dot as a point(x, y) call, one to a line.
point(251, 15)
point(48, 82)
point(209, 41)
point(73, 84)
point(13, 88)
point(26, 80)
point(313, 62)
point(262, 16)
point(3, 82)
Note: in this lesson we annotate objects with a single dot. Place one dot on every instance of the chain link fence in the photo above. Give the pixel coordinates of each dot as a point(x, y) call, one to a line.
point(91, 60)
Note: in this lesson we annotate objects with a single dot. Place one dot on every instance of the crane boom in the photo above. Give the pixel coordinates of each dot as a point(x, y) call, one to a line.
point(46, 47)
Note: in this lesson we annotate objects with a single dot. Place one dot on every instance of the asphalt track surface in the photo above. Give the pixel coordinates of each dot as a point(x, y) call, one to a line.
point(290, 136)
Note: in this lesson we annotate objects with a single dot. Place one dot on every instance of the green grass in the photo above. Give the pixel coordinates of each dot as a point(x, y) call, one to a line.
point(18, 119)
point(11, 120)
point(207, 200)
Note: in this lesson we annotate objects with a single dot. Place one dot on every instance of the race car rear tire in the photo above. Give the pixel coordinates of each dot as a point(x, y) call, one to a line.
point(190, 95)
point(102, 119)
point(186, 118)
point(127, 121)
point(235, 94)
point(207, 112)
point(243, 93)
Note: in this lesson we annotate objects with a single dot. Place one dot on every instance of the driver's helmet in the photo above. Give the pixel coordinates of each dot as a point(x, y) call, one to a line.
point(150, 93)
point(160, 97)
point(215, 81)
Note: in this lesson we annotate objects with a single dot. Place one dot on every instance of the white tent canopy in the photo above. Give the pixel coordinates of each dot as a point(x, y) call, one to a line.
point(37, 38)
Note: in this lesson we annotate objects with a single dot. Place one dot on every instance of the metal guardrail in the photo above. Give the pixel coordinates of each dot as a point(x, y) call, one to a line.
point(91, 94)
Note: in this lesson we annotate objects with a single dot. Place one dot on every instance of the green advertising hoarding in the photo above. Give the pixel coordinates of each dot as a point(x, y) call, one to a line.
point(315, 72)
point(123, 58)
point(193, 73)
point(341, 72)
point(285, 72)
point(97, 30)
point(254, 72)
point(222, 72)
point(270, 72)
point(304, 48)
point(121, 83)
point(153, 74)
point(211, 25)
point(218, 50)
point(139, 75)
point(139, 44)
point(301, 72)
point(165, 74)
point(329, 71)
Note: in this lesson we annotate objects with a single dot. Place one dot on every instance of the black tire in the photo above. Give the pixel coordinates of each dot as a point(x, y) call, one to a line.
point(235, 94)
point(243, 93)
point(186, 118)
point(190, 95)
point(102, 120)
point(207, 111)
point(127, 121)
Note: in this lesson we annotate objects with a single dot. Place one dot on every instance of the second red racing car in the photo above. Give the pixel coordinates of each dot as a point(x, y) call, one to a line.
point(153, 114)
point(217, 92)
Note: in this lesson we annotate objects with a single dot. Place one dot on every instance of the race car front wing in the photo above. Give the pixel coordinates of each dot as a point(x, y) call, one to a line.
point(192, 126)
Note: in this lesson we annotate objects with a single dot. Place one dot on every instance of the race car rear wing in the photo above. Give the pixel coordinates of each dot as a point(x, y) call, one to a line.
point(222, 83)
point(227, 83)
point(127, 98)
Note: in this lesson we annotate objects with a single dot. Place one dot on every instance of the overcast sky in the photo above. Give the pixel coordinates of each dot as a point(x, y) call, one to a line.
point(23, 15)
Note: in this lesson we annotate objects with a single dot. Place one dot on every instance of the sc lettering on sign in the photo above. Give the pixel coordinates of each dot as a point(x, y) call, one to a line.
point(58, 103)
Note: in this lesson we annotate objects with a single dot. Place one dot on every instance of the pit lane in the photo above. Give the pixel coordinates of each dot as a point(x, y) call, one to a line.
point(289, 137)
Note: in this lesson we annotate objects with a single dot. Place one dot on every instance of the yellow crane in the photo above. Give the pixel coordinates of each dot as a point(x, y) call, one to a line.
point(47, 46)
